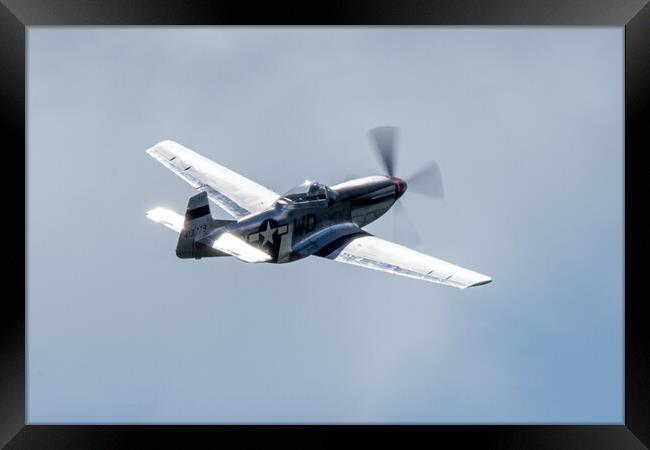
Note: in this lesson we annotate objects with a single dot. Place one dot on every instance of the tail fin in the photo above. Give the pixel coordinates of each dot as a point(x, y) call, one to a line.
point(197, 225)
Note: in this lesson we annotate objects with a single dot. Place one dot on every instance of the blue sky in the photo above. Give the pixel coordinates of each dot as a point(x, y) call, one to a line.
point(527, 127)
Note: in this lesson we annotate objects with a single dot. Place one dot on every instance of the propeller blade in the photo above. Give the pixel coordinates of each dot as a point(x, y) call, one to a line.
point(403, 227)
point(384, 139)
point(427, 181)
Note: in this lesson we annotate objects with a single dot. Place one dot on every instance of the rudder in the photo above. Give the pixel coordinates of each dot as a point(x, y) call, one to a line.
point(197, 225)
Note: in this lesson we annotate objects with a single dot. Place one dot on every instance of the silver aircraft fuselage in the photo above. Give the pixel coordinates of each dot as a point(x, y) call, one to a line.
point(307, 219)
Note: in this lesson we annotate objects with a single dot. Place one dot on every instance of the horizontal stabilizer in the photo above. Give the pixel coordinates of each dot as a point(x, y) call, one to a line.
point(166, 217)
point(231, 244)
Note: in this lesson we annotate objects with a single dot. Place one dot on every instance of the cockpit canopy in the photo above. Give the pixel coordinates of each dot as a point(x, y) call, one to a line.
point(307, 192)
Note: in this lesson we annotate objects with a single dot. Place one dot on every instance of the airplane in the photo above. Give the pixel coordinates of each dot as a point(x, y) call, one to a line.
point(311, 219)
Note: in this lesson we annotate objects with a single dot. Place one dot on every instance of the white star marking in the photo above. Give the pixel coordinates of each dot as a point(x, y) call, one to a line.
point(268, 234)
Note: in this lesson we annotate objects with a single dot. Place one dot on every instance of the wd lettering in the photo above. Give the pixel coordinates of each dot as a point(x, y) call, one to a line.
point(304, 224)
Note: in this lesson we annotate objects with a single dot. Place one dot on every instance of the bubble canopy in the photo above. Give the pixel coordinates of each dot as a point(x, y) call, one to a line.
point(308, 191)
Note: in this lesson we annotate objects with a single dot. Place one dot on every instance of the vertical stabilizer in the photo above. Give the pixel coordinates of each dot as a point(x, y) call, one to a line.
point(197, 225)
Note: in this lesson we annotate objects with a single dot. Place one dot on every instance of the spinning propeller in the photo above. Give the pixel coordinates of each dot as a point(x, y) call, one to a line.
point(426, 181)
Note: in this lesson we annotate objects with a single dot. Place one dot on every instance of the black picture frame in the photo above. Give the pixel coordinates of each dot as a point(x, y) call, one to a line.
point(634, 15)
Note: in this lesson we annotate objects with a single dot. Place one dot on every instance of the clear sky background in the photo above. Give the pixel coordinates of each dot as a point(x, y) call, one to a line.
point(527, 127)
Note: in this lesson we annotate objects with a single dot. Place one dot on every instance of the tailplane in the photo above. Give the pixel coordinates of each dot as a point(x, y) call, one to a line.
point(199, 235)
point(166, 217)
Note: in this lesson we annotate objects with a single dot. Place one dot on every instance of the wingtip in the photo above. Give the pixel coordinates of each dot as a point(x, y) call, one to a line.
point(167, 142)
point(486, 280)
point(164, 143)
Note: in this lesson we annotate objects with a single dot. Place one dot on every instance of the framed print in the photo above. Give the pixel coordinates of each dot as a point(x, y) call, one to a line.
point(193, 172)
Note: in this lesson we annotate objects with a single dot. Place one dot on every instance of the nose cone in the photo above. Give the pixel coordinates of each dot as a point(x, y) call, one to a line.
point(400, 186)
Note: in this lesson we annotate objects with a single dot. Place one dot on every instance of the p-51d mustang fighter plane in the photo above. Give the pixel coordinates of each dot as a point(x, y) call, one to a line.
point(311, 219)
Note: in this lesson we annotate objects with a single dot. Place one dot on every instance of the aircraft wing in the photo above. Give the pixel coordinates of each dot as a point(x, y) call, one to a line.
point(372, 252)
point(235, 193)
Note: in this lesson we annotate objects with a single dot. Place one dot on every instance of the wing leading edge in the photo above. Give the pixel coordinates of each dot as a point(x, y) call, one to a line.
point(374, 253)
point(233, 192)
